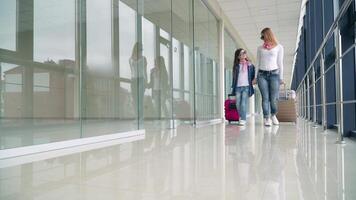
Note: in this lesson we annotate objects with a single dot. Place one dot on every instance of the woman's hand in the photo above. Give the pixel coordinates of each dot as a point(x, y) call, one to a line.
point(254, 81)
point(281, 82)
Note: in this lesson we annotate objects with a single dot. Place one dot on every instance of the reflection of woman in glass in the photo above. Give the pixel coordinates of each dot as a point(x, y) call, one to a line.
point(138, 66)
point(160, 86)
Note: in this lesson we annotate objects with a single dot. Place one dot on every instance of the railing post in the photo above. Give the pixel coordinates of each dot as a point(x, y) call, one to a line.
point(308, 97)
point(302, 100)
point(299, 103)
point(305, 100)
point(323, 92)
point(339, 87)
point(303, 103)
point(314, 97)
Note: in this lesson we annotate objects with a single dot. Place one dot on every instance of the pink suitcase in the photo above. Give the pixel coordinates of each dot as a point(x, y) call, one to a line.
point(231, 113)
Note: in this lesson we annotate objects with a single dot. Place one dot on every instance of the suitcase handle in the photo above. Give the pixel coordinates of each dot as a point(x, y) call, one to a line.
point(285, 90)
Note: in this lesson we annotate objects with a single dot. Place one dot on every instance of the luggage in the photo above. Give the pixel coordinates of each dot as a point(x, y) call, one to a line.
point(287, 109)
point(286, 94)
point(231, 113)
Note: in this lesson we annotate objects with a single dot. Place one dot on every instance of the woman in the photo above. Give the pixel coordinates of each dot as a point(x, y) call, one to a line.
point(243, 74)
point(138, 66)
point(269, 74)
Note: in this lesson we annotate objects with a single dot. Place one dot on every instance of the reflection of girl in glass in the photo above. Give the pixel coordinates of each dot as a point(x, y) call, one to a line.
point(138, 66)
point(160, 86)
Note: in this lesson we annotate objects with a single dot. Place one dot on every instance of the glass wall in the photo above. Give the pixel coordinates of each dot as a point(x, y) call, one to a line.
point(183, 77)
point(229, 53)
point(8, 20)
point(206, 63)
point(72, 69)
point(39, 96)
point(157, 42)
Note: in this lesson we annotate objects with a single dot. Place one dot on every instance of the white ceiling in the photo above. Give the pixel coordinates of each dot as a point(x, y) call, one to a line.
point(249, 17)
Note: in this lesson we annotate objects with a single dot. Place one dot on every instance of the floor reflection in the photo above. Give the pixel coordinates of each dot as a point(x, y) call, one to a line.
point(213, 162)
point(328, 167)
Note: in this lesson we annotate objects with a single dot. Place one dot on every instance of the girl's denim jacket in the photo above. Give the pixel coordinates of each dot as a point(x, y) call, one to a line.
point(251, 76)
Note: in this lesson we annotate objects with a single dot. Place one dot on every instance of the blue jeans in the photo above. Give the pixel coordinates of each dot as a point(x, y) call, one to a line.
point(268, 83)
point(241, 101)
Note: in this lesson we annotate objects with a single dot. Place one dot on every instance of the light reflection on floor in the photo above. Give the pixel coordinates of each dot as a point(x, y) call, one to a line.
point(212, 162)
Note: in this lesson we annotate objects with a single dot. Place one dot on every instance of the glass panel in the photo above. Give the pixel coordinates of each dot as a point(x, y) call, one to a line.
point(106, 97)
point(182, 28)
point(99, 57)
point(127, 34)
point(114, 69)
point(229, 51)
point(128, 49)
point(8, 24)
point(177, 55)
point(206, 69)
point(39, 100)
point(156, 39)
point(11, 87)
point(187, 68)
point(214, 70)
point(329, 63)
point(201, 50)
point(53, 20)
point(151, 98)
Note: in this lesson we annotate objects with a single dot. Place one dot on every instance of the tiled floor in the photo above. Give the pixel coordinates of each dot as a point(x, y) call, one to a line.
point(213, 162)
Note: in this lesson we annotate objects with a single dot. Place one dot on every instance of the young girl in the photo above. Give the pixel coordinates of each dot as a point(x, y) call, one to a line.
point(160, 86)
point(243, 74)
point(270, 74)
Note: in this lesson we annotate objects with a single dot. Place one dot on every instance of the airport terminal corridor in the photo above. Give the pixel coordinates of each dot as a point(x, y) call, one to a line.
point(177, 99)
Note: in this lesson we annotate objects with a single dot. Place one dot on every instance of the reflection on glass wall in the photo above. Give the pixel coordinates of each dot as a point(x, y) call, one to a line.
point(229, 53)
point(156, 39)
point(183, 79)
point(53, 30)
point(128, 53)
point(71, 69)
point(39, 99)
point(8, 20)
point(206, 63)
point(107, 105)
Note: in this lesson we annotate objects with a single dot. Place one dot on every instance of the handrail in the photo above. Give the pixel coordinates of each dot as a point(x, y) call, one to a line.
point(341, 13)
point(335, 103)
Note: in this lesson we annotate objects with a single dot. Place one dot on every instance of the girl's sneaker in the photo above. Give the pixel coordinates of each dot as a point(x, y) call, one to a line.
point(242, 122)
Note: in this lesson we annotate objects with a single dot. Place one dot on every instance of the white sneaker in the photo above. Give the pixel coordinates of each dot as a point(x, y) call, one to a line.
point(242, 122)
point(267, 122)
point(275, 120)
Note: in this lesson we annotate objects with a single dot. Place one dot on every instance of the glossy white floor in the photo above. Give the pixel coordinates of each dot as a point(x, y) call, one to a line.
point(213, 162)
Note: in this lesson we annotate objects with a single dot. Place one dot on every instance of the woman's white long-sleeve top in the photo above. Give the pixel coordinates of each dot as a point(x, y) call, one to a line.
point(269, 60)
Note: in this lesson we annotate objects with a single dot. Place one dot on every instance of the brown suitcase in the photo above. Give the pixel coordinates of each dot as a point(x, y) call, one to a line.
point(287, 109)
